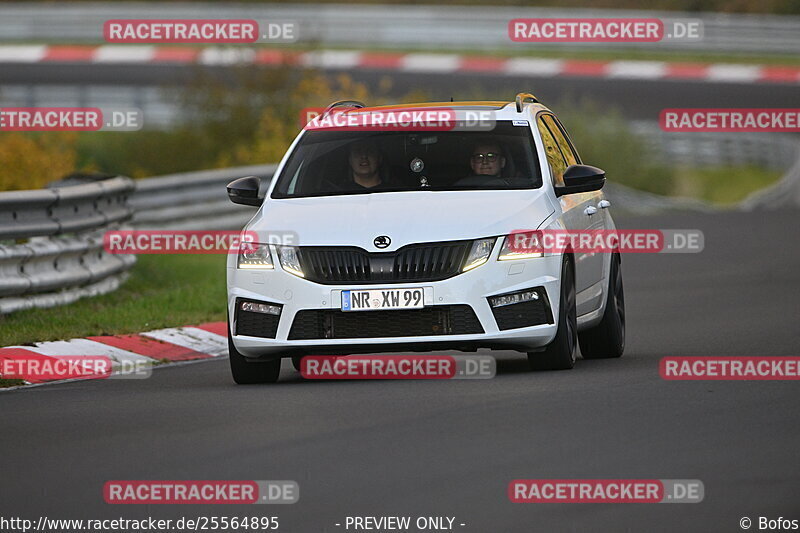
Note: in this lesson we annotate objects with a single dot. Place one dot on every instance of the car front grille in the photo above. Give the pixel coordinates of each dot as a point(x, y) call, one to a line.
point(416, 262)
point(334, 324)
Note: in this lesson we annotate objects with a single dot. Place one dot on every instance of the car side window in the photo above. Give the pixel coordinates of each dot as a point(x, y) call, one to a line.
point(293, 183)
point(554, 157)
point(558, 133)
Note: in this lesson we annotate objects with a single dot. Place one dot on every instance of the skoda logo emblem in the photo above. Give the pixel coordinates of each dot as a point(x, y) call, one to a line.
point(382, 241)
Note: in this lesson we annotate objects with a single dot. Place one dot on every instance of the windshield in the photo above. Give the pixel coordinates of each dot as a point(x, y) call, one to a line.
point(328, 163)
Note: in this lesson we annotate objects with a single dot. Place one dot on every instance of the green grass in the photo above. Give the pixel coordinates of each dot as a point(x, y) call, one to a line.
point(723, 186)
point(163, 291)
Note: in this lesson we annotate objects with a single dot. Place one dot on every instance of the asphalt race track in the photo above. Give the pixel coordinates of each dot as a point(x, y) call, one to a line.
point(450, 448)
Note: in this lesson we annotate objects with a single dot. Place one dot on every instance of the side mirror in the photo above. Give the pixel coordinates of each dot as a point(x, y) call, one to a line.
point(245, 191)
point(581, 178)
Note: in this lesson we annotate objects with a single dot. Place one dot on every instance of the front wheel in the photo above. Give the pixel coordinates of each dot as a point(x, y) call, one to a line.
point(245, 372)
point(607, 339)
point(560, 354)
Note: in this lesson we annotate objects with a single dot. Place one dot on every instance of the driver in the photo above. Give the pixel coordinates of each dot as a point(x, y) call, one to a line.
point(487, 159)
point(365, 165)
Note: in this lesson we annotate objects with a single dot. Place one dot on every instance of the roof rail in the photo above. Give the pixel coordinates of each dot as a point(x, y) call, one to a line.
point(525, 98)
point(342, 103)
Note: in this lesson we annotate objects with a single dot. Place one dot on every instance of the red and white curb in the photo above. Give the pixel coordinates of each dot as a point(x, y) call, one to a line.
point(189, 343)
point(401, 62)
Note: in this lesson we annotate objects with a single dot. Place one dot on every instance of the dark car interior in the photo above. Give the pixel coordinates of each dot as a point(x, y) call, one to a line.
point(409, 161)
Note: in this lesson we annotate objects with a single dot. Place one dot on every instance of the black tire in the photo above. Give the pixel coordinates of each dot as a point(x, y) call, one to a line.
point(245, 372)
point(607, 339)
point(561, 353)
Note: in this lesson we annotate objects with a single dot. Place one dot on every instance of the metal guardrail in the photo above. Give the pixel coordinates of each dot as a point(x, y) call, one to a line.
point(51, 240)
point(775, 151)
point(395, 26)
point(783, 194)
point(51, 243)
point(193, 200)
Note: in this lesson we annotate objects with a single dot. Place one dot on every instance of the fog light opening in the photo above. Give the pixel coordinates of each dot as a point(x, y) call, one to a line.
point(255, 307)
point(513, 298)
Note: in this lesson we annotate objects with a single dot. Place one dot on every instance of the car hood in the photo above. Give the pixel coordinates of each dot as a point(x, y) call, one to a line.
point(405, 217)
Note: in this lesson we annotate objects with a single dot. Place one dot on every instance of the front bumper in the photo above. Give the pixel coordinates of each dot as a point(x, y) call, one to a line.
point(470, 289)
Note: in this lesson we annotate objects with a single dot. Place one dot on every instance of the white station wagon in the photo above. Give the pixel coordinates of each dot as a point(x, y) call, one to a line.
point(401, 240)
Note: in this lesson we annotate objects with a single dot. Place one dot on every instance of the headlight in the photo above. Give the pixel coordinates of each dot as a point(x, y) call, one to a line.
point(290, 261)
point(254, 255)
point(479, 253)
point(522, 245)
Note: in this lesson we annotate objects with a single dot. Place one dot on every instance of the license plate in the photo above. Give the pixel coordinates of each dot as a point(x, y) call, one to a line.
point(381, 299)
